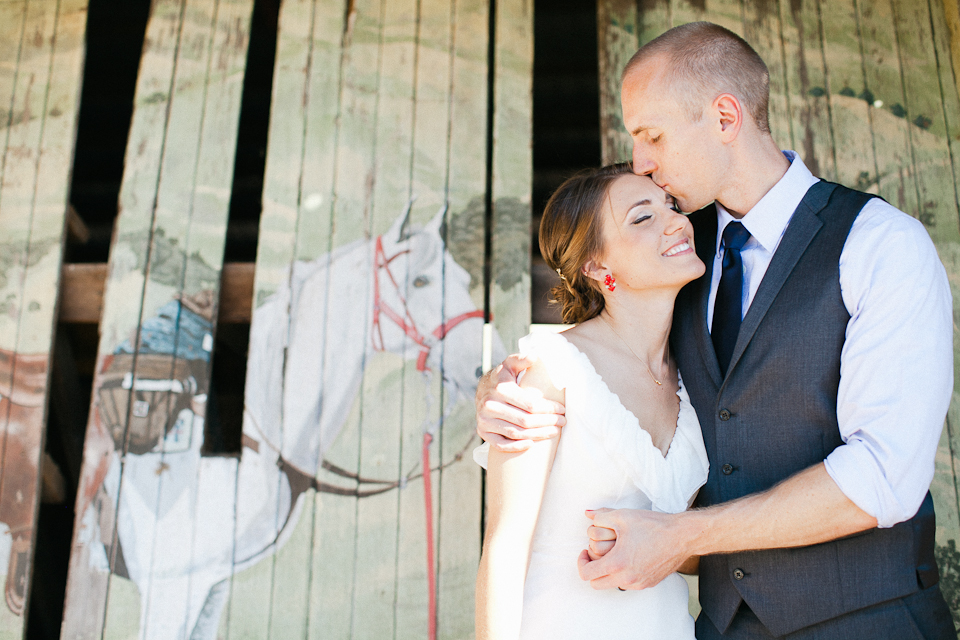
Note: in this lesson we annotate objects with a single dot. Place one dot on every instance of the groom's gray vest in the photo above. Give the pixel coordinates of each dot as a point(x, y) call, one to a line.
point(775, 413)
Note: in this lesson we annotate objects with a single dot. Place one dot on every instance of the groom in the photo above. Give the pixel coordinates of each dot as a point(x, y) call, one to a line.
point(817, 350)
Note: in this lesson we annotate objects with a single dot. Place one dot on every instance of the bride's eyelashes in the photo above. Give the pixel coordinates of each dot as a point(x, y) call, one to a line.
point(671, 204)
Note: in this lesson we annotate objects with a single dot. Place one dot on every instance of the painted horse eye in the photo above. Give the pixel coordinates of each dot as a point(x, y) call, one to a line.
point(421, 282)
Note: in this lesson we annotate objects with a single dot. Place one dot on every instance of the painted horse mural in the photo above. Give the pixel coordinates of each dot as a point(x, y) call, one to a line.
point(23, 381)
point(400, 292)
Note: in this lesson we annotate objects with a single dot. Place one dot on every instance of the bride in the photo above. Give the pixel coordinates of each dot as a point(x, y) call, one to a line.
point(632, 440)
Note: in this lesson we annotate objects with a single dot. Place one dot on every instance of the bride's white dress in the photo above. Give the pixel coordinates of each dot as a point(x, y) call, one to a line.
point(604, 459)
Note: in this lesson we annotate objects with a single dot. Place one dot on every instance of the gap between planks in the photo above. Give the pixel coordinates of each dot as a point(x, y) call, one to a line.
point(82, 285)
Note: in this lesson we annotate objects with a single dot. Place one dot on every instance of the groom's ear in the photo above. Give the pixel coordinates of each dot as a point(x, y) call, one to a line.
point(728, 114)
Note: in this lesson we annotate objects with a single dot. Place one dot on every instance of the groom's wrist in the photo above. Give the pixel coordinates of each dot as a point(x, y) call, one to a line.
point(694, 530)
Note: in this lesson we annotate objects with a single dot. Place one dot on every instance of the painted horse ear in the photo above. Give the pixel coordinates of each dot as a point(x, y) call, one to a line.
point(400, 229)
point(438, 224)
point(438, 219)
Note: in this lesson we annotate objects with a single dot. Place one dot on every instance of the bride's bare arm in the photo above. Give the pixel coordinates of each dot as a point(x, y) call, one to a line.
point(515, 485)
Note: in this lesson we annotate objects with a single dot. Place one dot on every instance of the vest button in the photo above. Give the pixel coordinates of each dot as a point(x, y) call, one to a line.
point(738, 574)
point(727, 469)
point(724, 415)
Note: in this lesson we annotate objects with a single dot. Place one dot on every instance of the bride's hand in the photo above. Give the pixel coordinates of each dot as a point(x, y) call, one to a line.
point(602, 539)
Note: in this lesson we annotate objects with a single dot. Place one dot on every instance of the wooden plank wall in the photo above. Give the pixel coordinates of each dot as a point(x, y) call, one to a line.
point(368, 315)
point(393, 261)
point(867, 93)
point(140, 513)
point(41, 59)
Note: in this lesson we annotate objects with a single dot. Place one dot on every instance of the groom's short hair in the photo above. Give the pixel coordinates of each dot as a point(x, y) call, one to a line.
point(707, 60)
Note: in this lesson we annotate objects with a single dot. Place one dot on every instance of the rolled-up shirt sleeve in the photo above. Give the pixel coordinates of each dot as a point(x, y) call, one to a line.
point(896, 372)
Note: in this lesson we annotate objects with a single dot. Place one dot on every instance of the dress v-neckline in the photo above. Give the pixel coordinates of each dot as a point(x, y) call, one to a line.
point(649, 439)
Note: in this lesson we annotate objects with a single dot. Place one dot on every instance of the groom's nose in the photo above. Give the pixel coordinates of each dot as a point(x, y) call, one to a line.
point(642, 164)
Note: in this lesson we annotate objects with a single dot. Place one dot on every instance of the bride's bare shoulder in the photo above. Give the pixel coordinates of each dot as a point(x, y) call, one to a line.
point(584, 336)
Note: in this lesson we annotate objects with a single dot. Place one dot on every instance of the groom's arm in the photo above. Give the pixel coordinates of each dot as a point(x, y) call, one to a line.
point(806, 509)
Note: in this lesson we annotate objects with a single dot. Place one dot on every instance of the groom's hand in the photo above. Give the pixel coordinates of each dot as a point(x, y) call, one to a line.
point(646, 550)
point(509, 417)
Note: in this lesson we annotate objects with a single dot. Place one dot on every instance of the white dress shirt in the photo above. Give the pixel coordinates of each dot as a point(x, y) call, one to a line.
point(896, 366)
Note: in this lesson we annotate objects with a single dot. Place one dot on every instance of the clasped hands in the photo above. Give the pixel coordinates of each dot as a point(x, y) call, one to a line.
point(628, 548)
point(632, 549)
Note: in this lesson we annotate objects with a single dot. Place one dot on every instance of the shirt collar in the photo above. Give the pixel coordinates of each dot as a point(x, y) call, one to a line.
point(768, 219)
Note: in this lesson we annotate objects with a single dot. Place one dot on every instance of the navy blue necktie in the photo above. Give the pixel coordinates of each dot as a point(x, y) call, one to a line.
point(728, 307)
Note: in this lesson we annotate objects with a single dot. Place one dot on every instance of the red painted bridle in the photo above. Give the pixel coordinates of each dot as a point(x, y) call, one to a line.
point(405, 321)
point(407, 324)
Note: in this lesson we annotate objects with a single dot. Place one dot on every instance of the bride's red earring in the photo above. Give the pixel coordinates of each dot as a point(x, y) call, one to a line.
point(610, 281)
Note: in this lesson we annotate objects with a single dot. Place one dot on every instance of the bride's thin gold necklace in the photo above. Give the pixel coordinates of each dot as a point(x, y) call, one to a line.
point(642, 361)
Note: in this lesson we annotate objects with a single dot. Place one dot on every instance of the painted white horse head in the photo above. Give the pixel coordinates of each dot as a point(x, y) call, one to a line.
point(416, 314)
point(400, 292)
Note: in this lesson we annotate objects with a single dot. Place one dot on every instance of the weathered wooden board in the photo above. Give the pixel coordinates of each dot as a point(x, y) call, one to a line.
point(460, 507)
point(148, 513)
point(342, 522)
point(24, 357)
point(866, 92)
point(809, 112)
point(367, 323)
point(617, 38)
point(948, 62)
point(419, 506)
point(41, 59)
point(326, 556)
point(850, 120)
point(512, 171)
point(925, 121)
point(762, 29)
point(950, 29)
point(884, 82)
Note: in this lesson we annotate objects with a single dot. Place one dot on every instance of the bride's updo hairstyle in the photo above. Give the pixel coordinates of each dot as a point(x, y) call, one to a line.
point(571, 233)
